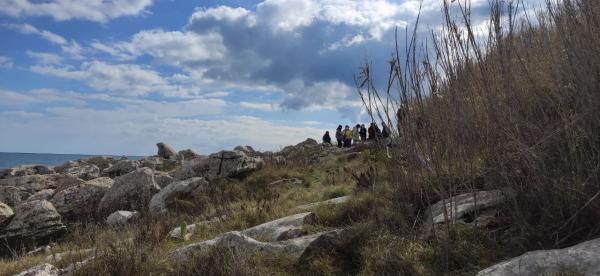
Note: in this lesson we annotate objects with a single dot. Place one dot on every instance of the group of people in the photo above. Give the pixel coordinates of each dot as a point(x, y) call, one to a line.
point(347, 136)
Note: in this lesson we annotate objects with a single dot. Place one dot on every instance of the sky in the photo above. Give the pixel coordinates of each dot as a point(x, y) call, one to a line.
point(118, 76)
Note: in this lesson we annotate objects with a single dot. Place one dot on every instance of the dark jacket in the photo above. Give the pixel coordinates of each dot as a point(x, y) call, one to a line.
point(327, 138)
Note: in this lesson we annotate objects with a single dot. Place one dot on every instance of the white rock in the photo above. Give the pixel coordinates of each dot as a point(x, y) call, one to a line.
point(6, 213)
point(280, 229)
point(222, 164)
point(333, 201)
point(583, 258)
point(160, 202)
point(40, 270)
point(132, 191)
point(121, 218)
point(191, 229)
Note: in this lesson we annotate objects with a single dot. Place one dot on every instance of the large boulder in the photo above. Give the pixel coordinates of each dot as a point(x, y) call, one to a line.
point(281, 229)
point(34, 221)
point(238, 241)
point(6, 213)
point(12, 196)
point(159, 163)
point(581, 259)
point(456, 209)
point(36, 183)
point(121, 167)
point(163, 179)
point(248, 150)
point(326, 243)
point(121, 218)
point(132, 191)
point(81, 200)
point(161, 201)
point(222, 164)
point(166, 151)
point(103, 162)
point(187, 154)
point(41, 270)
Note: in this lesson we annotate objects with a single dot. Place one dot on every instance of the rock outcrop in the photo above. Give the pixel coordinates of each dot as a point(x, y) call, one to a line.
point(132, 191)
point(159, 163)
point(35, 183)
point(12, 196)
point(454, 209)
point(582, 259)
point(41, 270)
point(102, 162)
point(222, 164)
point(121, 218)
point(33, 221)
point(82, 200)
point(166, 151)
point(6, 213)
point(84, 171)
point(121, 167)
point(281, 229)
point(248, 150)
point(187, 154)
point(25, 171)
point(161, 201)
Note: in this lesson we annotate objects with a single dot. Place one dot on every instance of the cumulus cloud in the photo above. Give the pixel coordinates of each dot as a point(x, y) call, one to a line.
point(61, 10)
point(6, 62)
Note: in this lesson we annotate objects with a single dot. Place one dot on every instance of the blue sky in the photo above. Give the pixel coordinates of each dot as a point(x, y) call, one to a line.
point(117, 76)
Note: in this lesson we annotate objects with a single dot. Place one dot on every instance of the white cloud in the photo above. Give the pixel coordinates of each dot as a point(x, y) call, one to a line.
point(6, 62)
point(61, 10)
point(45, 58)
point(71, 48)
point(259, 106)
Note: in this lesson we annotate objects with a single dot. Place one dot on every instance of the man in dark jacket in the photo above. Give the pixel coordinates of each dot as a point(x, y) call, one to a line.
point(326, 138)
point(339, 136)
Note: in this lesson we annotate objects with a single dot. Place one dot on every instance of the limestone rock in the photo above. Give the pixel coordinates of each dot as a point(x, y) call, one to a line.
point(162, 179)
point(35, 183)
point(281, 229)
point(40, 270)
point(34, 221)
point(132, 191)
point(158, 163)
point(583, 258)
point(187, 154)
point(166, 151)
point(84, 171)
point(12, 196)
point(291, 181)
point(222, 164)
point(83, 199)
point(6, 213)
point(65, 166)
point(237, 240)
point(25, 171)
point(248, 150)
point(121, 167)
point(44, 194)
point(333, 201)
point(458, 206)
point(121, 218)
point(102, 162)
point(160, 202)
point(191, 228)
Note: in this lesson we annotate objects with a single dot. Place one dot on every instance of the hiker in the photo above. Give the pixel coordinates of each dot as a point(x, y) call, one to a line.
point(377, 131)
point(371, 131)
point(387, 132)
point(356, 134)
point(347, 137)
point(363, 133)
point(326, 138)
point(339, 136)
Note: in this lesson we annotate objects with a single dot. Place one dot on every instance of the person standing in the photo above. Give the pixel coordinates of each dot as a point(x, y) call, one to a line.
point(347, 137)
point(372, 131)
point(339, 136)
point(363, 133)
point(356, 134)
point(387, 132)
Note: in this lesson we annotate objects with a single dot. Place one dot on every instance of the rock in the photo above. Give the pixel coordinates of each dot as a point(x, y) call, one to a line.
point(187, 154)
point(34, 221)
point(6, 213)
point(457, 207)
point(248, 150)
point(84, 171)
point(238, 241)
point(121, 167)
point(327, 242)
point(102, 162)
point(25, 171)
point(222, 164)
point(161, 201)
point(159, 163)
point(162, 179)
point(36, 183)
point(166, 151)
point(12, 196)
point(81, 200)
point(67, 165)
point(40, 270)
point(333, 201)
point(44, 194)
point(132, 191)
point(121, 218)
point(281, 229)
point(582, 258)
point(291, 181)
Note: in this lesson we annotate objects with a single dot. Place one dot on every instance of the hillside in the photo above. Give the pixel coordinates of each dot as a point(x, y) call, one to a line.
point(492, 170)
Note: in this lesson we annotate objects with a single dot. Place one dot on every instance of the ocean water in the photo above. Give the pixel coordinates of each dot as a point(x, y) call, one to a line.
point(10, 159)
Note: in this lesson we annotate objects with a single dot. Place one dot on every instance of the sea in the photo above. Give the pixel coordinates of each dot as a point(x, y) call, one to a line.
point(12, 159)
